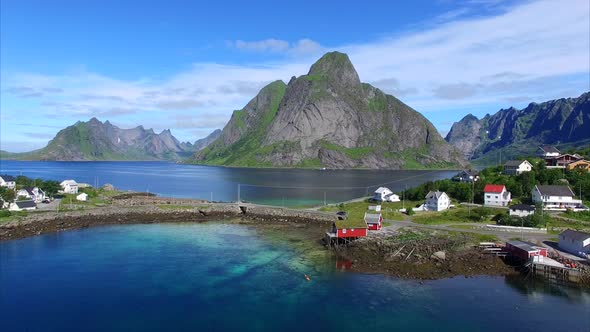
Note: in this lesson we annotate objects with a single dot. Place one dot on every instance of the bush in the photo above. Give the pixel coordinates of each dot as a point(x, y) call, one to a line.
point(410, 211)
point(5, 213)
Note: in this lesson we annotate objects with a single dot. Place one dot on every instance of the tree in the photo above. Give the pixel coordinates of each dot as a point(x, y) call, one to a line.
point(7, 195)
point(50, 187)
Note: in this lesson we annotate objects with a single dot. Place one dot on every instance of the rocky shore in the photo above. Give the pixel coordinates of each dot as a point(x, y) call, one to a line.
point(434, 256)
point(133, 212)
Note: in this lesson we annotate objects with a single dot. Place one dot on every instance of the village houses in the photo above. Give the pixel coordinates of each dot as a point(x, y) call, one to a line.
point(516, 167)
point(22, 206)
point(69, 187)
point(496, 195)
point(7, 181)
point(574, 242)
point(437, 201)
point(33, 193)
point(383, 194)
point(556, 198)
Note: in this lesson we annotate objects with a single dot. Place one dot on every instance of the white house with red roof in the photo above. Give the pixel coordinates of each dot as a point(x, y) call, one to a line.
point(496, 195)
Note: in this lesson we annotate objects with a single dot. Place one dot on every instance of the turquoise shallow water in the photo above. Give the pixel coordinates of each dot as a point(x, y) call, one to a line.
point(223, 277)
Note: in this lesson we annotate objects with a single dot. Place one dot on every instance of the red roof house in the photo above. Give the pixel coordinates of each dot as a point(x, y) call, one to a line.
point(496, 195)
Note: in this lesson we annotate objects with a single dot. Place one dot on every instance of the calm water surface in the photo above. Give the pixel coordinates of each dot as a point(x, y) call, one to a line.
point(267, 186)
point(222, 277)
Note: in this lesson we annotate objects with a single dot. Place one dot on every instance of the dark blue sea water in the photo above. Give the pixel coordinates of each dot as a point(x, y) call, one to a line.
point(224, 277)
point(264, 186)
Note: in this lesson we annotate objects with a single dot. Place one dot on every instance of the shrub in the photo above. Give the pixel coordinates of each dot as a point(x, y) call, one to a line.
point(5, 213)
point(410, 211)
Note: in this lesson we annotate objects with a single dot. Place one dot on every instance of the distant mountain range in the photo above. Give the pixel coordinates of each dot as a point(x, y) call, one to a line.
point(95, 140)
point(328, 118)
point(511, 133)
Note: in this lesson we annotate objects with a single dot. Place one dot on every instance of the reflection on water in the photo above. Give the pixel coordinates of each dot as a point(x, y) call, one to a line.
point(226, 277)
point(537, 289)
point(289, 187)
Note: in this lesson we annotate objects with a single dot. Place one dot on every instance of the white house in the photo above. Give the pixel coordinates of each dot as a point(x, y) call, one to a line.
point(574, 242)
point(22, 206)
point(35, 194)
point(557, 198)
point(7, 181)
point(437, 201)
point(496, 195)
point(69, 186)
point(515, 167)
point(521, 210)
point(82, 197)
point(383, 194)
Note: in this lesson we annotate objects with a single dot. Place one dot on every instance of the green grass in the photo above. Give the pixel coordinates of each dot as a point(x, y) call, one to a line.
point(484, 237)
point(456, 215)
point(352, 153)
point(357, 210)
point(582, 215)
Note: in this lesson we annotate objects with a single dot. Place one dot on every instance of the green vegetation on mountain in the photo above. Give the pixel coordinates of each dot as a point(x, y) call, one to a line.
point(511, 133)
point(328, 118)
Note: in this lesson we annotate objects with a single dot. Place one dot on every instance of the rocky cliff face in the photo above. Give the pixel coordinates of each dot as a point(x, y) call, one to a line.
point(95, 140)
point(329, 118)
point(515, 132)
point(204, 142)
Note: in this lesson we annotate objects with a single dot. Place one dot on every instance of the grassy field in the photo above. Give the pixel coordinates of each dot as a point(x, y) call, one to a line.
point(458, 214)
point(357, 210)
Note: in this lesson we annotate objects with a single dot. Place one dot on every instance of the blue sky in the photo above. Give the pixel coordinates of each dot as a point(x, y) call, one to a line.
point(185, 65)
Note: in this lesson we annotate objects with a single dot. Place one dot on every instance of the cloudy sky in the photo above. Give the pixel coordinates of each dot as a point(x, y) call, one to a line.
point(187, 65)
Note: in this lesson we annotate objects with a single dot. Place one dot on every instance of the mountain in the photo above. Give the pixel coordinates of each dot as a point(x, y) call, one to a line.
point(511, 132)
point(328, 118)
point(95, 140)
point(204, 142)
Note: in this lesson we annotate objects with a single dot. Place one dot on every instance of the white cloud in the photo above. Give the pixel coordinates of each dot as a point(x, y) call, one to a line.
point(537, 49)
point(302, 47)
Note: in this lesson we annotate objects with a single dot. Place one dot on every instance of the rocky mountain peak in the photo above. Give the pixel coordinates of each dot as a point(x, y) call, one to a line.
point(337, 68)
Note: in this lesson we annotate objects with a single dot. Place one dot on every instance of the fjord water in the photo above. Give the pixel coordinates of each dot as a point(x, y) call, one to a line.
point(228, 277)
point(264, 186)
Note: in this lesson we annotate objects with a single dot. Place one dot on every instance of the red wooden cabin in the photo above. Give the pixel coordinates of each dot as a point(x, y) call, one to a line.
point(374, 221)
point(525, 250)
point(347, 229)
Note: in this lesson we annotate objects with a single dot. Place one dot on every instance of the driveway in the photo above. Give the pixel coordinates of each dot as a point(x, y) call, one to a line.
point(51, 206)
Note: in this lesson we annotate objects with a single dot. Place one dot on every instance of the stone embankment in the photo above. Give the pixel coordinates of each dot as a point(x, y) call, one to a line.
point(134, 210)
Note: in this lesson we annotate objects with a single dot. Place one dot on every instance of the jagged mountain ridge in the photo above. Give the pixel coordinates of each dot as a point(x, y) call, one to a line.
point(95, 140)
point(328, 118)
point(514, 132)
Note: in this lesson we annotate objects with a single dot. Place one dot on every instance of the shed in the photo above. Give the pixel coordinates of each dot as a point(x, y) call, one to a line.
point(524, 250)
point(349, 228)
point(82, 197)
point(373, 221)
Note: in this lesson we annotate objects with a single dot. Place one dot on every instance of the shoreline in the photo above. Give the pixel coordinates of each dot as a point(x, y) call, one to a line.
point(147, 211)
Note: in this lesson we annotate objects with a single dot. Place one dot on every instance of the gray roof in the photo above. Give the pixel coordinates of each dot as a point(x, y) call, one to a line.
point(549, 149)
point(514, 163)
point(8, 178)
point(524, 245)
point(555, 191)
point(372, 218)
point(435, 194)
point(575, 235)
point(522, 207)
point(25, 204)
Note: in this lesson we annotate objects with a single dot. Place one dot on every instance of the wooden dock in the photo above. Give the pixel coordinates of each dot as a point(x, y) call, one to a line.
point(555, 271)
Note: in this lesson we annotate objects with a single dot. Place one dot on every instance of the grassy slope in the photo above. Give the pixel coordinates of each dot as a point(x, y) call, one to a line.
point(246, 151)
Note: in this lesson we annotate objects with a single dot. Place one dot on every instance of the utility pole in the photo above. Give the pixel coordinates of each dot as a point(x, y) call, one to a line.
point(324, 198)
